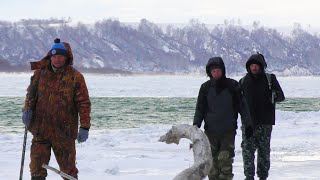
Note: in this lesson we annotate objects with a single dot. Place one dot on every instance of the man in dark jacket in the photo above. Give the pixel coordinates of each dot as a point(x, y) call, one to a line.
point(218, 104)
point(261, 91)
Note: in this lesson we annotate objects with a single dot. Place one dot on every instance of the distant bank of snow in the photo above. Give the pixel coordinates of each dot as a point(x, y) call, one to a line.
point(101, 85)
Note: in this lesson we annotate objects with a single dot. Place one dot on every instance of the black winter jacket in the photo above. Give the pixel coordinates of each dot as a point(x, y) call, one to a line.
point(258, 94)
point(219, 103)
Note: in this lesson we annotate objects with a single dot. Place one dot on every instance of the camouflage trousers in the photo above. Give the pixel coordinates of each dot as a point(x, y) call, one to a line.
point(222, 149)
point(64, 151)
point(260, 141)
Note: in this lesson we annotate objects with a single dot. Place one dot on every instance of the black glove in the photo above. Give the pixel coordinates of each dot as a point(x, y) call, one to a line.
point(248, 132)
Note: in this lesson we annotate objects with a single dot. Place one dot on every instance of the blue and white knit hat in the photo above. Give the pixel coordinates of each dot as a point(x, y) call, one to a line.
point(58, 48)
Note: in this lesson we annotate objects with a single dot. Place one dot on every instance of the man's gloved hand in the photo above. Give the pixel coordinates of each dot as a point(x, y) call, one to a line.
point(83, 134)
point(248, 132)
point(26, 117)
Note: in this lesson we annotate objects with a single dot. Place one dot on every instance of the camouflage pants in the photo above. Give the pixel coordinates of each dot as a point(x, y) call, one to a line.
point(222, 149)
point(64, 151)
point(260, 141)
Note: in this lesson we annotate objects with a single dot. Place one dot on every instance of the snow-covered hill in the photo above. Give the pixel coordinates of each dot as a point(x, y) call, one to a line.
point(150, 48)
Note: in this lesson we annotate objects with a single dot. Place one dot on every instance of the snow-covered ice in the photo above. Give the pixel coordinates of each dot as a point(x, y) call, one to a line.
point(137, 154)
point(128, 154)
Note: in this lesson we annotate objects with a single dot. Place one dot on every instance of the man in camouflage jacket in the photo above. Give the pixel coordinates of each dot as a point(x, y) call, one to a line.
point(61, 98)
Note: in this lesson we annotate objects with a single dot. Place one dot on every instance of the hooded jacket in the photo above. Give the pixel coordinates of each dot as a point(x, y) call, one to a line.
point(258, 94)
point(219, 102)
point(62, 97)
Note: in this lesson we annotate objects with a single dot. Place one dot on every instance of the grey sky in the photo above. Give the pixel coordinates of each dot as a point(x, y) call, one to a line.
point(273, 13)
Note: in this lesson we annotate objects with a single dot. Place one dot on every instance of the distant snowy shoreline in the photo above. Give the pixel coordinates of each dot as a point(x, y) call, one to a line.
point(278, 74)
point(141, 85)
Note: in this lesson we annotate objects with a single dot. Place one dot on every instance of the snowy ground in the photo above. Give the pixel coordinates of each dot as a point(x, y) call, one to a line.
point(153, 86)
point(127, 154)
point(137, 154)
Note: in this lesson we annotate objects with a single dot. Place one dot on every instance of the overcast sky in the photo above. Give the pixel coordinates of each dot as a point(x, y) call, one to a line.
point(272, 13)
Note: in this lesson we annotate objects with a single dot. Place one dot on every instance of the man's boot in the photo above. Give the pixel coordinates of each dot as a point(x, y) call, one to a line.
point(38, 178)
point(213, 177)
point(249, 178)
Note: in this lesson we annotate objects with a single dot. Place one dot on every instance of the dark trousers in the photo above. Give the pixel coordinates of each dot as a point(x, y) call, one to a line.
point(64, 151)
point(260, 141)
point(222, 149)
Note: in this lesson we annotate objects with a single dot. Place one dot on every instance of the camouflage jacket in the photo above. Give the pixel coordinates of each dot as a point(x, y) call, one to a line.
point(62, 97)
